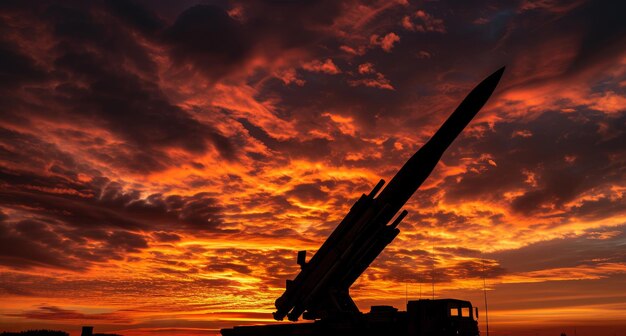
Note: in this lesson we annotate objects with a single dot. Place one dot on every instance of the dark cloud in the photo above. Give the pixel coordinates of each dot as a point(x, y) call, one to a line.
point(97, 289)
point(104, 78)
point(57, 313)
point(71, 215)
point(166, 237)
point(459, 251)
point(23, 249)
point(138, 111)
point(97, 203)
point(316, 148)
point(44, 164)
point(34, 243)
point(224, 38)
point(308, 192)
point(114, 208)
point(555, 181)
point(208, 38)
point(421, 266)
point(135, 15)
point(128, 241)
point(604, 33)
point(593, 247)
point(17, 68)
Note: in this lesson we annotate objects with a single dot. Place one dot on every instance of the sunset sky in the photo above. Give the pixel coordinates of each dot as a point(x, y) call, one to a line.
point(161, 163)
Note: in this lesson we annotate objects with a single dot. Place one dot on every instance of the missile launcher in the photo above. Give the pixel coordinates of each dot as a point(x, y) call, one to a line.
point(320, 292)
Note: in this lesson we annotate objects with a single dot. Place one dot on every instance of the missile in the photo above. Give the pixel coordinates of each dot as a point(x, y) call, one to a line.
point(322, 286)
point(415, 171)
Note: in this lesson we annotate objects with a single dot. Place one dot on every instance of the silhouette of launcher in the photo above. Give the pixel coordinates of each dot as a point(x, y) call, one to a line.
point(321, 289)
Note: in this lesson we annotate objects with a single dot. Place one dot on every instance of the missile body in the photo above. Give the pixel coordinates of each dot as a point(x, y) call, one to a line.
point(321, 289)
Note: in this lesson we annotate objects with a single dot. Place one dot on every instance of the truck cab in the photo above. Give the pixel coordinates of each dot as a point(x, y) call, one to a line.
point(442, 317)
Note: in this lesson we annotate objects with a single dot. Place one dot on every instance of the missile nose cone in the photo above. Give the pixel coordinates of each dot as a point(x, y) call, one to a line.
point(466, 111)
point(499, 73)
point(470, 106)
point(481, 93)
point(501, 70)
point(493, 79)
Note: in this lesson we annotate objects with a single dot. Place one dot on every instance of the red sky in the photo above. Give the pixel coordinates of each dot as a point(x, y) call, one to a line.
point(162, 163)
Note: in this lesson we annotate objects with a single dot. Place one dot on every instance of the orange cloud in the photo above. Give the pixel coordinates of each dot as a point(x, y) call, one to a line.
point(386, 42)
point(326, 66)
point(421, 21)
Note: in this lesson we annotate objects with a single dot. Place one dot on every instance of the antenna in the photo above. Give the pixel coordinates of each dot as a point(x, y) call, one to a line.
point(406, 293)
point(485, 293)
point(433, 264)
point(420, 282)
